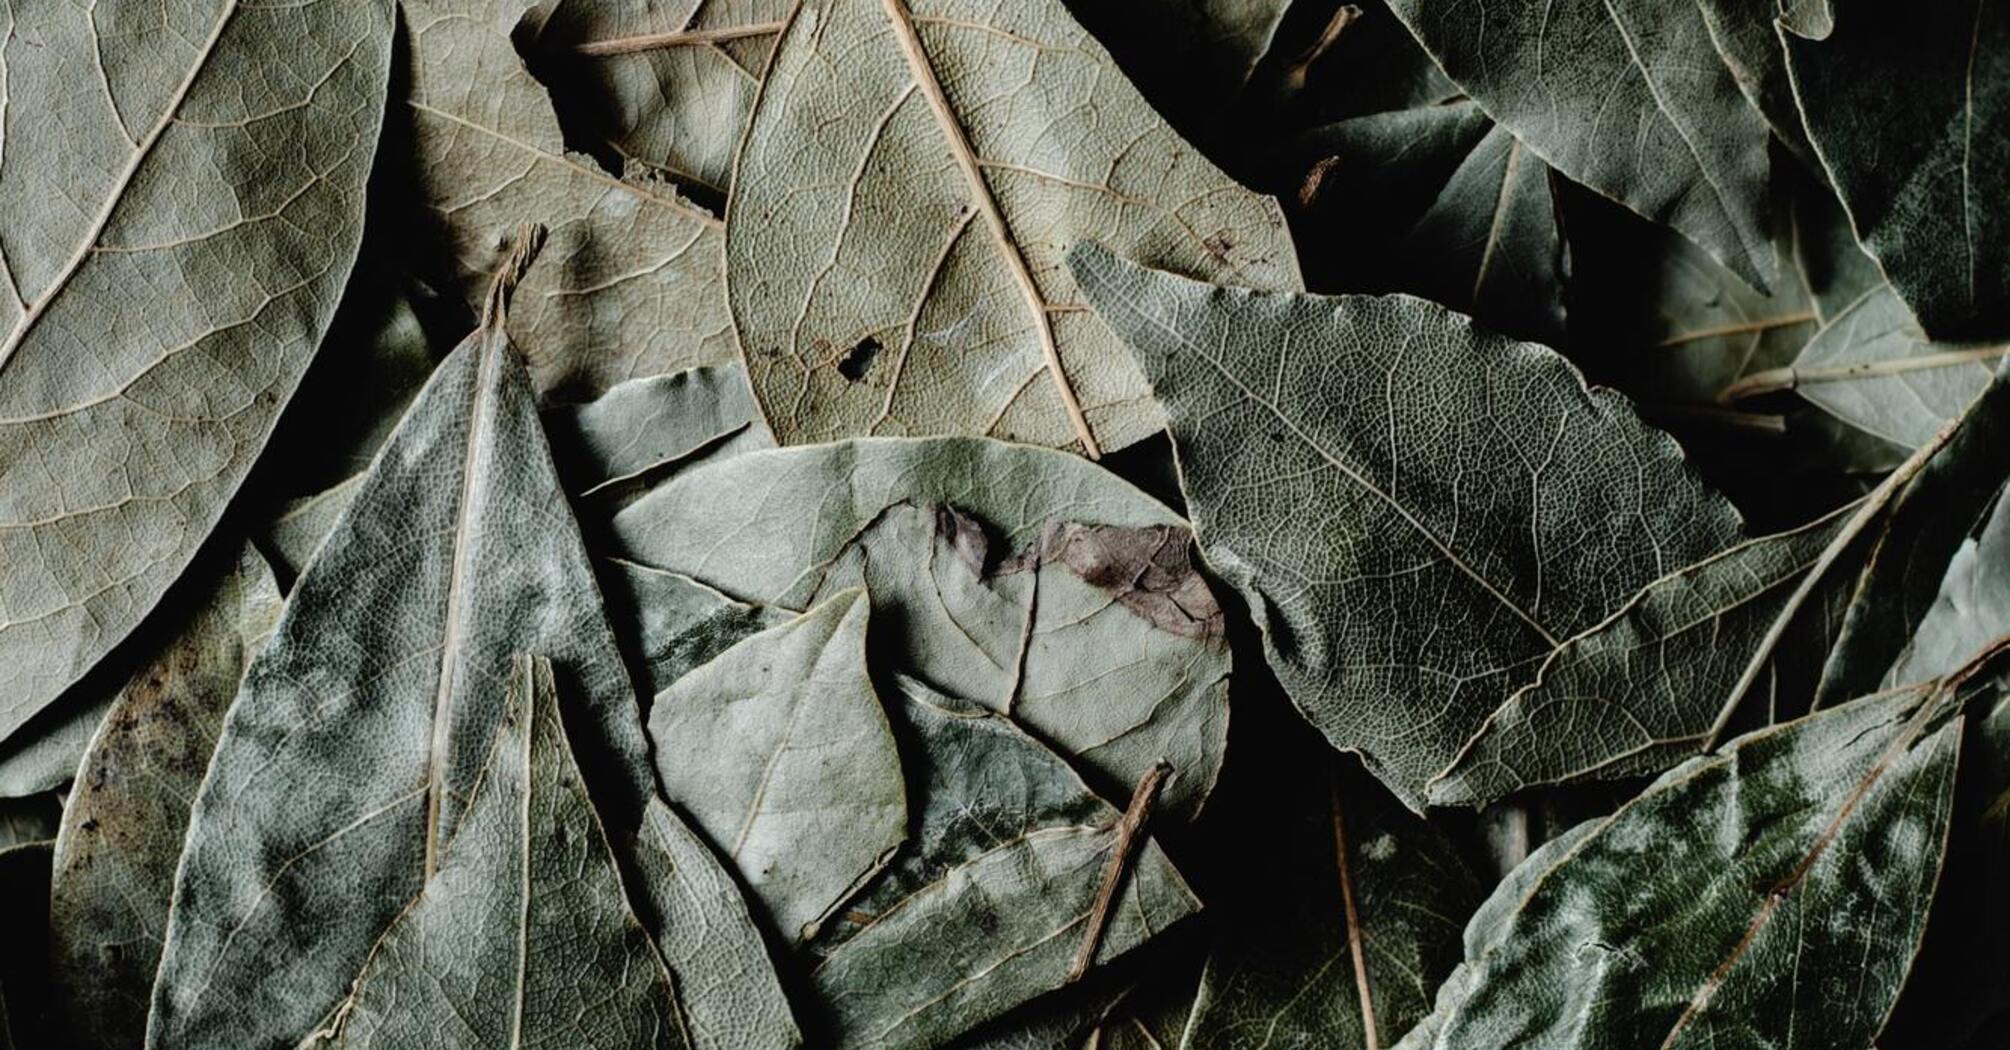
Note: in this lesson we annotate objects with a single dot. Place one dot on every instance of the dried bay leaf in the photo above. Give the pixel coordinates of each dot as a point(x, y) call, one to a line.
point(1770, 894)
point(123, 828)
point(1920, 170)
point(653, 424)
point(351, 751)
point(524, 937)
point(1457, 506)
point(1632, 99)
point(632, 283)
point(668, 85)
point(779, 751)
point(982, 908)
point(1024, 579)
point(175, 246)
point(731, 997)
point(893, 260)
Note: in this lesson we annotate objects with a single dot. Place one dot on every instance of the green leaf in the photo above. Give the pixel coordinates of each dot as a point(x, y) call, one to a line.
point(1350, 879)
point(1418, 512)
point(1024, 579)
point(910, 176)
point(348, 758)
point(176, 240)
point(653, 425)
point(127, 816)
point(1772, 894)
point(1922, 169)
point(1746, 37)
point(779, 751)
point(524, 937)
point(986, 905)
point(1631, 98)
point(668, 86)
point(633, 283)
point(731, 997)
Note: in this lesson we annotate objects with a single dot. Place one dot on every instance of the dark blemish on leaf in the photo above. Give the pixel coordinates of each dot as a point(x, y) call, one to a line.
point(1149, 571)
point(965, 535)
point(858, 359)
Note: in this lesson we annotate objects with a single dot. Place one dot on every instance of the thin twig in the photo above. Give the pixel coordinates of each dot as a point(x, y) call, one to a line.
point(1129, 838)
point(1372, 1038)
point(628, 45)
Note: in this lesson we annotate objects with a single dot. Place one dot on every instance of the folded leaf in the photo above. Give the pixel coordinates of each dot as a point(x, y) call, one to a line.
point(177, 239)
point(1772, 894)
point(128, 814)
point(1921, 170)
point(1629, 97)
point(779, 751)
point(731, 997)
point(1418, 512)
point(524, 937)
point(984, 907)
point(632, 285)
point(911, 173)
point(1027, 580)
point(352, 749)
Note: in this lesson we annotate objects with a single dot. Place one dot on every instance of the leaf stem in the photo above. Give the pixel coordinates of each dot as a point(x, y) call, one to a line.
point(1121, 852)
point(628, 45)
point(1774, 380)
point(1372, 1039)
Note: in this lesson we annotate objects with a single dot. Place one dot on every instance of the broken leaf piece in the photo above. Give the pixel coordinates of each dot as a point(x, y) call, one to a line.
point(986, 905)
point(352, 749)
point(128, 814)
point(779, 751)
point(1027, 580)
point(728, 988)
point(910, 176)
point(653, 424)
point(524, 937)
point(632, 284)
point(1418, 511)
point(1770, 894)
point(175, 244)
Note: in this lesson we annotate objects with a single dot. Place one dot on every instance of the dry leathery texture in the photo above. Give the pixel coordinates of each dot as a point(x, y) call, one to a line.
point(174, 244)
point(1772, 894)
point(666, 83)
point(1629, 97)
point(653, 424)
point(779, 751)
point(1971, 610)
point(631, 283)
point(43, 754)
point(671, 624)
point(981, 559)
point(1648, 685)
point(351, 750)
point(911, 174)
point(1872, 368)
point(1282, 972)
point(731, 996)
point(1900, 578)
point(293, 536)
point(976, 784)
point(524, 938)
point(127, 815)
point(1417, 511)
point(1745, 34)
point(1922, 171)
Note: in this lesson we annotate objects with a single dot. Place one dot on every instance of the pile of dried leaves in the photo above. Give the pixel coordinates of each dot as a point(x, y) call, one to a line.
point(744, 524)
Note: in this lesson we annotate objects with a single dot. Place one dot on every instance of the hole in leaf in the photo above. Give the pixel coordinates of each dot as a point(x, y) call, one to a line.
point(858, 359)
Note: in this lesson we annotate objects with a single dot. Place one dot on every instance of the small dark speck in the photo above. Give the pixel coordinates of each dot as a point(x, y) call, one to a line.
point(858, 359)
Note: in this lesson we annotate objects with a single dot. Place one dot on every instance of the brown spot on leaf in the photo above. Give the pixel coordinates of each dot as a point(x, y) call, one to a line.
point(857, 360)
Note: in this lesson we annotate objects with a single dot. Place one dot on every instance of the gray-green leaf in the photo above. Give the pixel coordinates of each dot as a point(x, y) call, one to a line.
point(352, 749)
point(1418, 512)
point(779, 751)
point(1024, 579)
point(124, 825)
point(176, 238)
point(1772, 894)
point(911, 174)
point(1629, 97)
point(524, 937)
